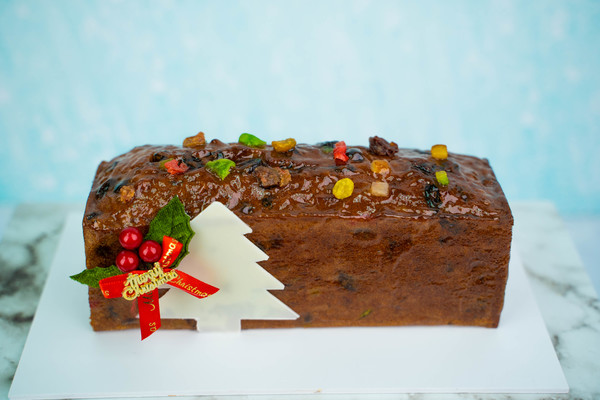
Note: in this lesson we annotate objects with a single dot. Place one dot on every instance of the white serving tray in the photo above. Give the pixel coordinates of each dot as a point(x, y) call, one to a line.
point(64, 358)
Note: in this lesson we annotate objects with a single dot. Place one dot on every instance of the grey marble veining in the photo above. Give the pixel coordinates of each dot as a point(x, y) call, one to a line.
point(562, 288)
point(26, 253)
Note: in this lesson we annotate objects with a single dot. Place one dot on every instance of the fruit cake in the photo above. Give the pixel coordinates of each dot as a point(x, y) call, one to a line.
point(360, 236)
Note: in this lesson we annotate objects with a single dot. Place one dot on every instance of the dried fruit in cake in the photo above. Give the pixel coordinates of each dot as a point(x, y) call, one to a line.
point(251, 140)
point(381, 147)
point(339, 153)
point(381, 189)
point(283, 146)
point(439, 152)
point(343, 188)
point(195, 142)
point(380, 167)
point(221, 167)
point(176, 166)
point(442, 178)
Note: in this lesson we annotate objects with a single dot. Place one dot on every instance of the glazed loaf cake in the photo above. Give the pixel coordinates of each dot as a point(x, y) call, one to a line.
point(415, 253)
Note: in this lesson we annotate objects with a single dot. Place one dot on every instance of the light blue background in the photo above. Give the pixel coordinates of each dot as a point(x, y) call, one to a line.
point(516, 82)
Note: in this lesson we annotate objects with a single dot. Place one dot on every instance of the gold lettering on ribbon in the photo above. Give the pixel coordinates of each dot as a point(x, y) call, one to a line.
point(139, 284)
point(191, 289)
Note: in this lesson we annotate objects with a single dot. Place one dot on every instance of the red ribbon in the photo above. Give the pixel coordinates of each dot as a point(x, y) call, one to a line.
point(115, 286)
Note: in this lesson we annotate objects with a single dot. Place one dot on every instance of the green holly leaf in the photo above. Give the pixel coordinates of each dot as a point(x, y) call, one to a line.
point(220, 167)
point(92, 277)
point(172, 221)
point(251, 140)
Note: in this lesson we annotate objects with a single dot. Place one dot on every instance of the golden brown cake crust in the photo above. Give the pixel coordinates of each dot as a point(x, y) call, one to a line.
point(425, 254)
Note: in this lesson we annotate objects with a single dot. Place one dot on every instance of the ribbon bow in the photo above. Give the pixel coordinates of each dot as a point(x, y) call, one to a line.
point(143, 285)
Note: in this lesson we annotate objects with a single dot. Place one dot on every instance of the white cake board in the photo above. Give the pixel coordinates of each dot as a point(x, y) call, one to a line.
point(64, 358)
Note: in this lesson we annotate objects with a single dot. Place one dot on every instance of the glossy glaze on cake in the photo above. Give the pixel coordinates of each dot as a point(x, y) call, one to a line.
point(426, 254)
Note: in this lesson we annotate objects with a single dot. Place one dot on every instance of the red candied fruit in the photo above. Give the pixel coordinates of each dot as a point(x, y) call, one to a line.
point(175, 167)
point(339, 153)
point(127, 261)
point(130, 238)
point(150, 251)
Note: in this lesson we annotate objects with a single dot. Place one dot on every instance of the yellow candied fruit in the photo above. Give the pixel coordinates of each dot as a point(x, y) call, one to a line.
point(380, 167)
point(439, 152)
point(381, 189)
point(343, 188)
point(282, 146)
point(442, 178)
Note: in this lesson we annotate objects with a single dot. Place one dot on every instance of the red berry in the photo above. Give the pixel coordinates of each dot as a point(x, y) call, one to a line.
point(130, 238)
point(150, 251)
point(127, 261)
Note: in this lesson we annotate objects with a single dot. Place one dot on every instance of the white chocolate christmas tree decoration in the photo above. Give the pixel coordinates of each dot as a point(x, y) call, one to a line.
point(221, 256)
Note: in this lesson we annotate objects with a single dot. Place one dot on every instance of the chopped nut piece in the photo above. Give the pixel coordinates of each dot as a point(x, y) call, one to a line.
point(267, 176)
point(381, 147)
point(343, 188)
point(126, 194)
point(442, 178)
point(380, 167)
point(439, 152)
point(195, 141)
point(284, 177)
point(282, 146)
point(381, 189)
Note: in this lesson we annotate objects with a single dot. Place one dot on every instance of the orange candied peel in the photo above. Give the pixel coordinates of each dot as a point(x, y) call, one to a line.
point(343, 188)
point(195, 141)
point(281, 146)
point(380, 167)
point(439, 152)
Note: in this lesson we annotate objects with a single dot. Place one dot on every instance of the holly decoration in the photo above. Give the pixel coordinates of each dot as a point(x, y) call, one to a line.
point(150, 251)
point(171, 220)
point(131, 238)
point(127, 261)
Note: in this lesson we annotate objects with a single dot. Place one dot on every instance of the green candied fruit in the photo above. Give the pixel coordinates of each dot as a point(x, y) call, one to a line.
point(442, 178)
point(251, 140)
point(220, 167)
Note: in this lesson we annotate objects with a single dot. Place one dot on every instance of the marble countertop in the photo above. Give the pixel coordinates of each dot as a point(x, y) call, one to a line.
point(563, 290)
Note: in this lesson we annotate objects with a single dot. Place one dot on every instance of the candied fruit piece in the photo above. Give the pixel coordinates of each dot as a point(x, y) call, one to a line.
point(442, 178)
point(176, 167)
point(126, 194)
point(282, 146)
point(380, 167)
point(439, 152)
point(343, 188)
point(195, 141)
point(284, 177)
point(381, 189)
point(339, 153)
point(220, 167)
point(251, 140)
point(381, 147)
point(267, 176)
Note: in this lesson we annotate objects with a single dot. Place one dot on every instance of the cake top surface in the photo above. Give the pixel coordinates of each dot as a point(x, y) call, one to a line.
point(129, 190)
